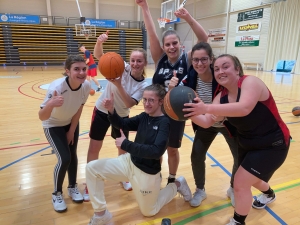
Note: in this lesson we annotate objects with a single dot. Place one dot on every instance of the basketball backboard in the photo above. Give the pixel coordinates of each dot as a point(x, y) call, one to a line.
point(85, 30)
point(169, 7)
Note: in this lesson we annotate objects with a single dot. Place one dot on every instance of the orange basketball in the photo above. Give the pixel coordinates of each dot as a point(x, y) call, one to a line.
point(92, 92)
point(111, 65)
point(296, 111)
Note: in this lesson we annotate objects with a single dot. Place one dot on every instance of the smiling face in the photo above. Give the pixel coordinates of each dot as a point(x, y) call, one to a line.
point(152, 103)
point(77, 74)
point(201, 61)
point(171, 46)
point(138, 62)
point(226, 72)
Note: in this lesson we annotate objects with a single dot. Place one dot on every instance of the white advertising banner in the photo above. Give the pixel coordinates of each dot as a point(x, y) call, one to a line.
point(217, 37)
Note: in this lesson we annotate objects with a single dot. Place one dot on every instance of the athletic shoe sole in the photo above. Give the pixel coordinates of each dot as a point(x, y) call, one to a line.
point(78, 201)
point(61, 211)
point(253, 206)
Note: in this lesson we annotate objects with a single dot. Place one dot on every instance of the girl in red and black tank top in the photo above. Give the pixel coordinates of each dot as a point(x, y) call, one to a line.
point(250, 111)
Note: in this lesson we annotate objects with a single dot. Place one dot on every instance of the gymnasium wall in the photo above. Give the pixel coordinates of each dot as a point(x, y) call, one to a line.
point(212, 14)
point(248, 54)
point(34, 7)
point(108, 9)
point(209, 13)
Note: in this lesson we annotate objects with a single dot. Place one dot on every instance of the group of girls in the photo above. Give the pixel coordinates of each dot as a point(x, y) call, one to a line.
point(238, 106)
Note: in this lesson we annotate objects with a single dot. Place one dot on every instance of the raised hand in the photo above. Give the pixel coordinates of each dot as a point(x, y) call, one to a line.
point(174, 81)
point(109, 103)
point(103, 37)
point(56, 100)
point(120, 140)
point(182, 13)
point(141, 2)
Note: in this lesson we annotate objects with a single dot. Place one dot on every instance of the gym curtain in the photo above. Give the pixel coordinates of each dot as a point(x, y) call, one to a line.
point(284, 34)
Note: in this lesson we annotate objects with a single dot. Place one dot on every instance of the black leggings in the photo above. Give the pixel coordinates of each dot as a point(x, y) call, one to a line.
point(202, 141)
point(66, 155)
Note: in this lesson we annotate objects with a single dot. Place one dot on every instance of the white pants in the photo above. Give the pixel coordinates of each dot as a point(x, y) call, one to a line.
point(146, 187)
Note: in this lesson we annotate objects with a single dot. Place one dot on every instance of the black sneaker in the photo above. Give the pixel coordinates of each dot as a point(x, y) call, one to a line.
point(263, 200)
point(99, 89)
point(170, 180)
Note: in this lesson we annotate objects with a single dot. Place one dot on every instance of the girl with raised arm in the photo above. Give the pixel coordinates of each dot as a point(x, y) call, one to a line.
point(168, 58)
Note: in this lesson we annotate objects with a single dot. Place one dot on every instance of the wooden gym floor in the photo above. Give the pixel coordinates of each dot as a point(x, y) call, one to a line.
point(26, 162)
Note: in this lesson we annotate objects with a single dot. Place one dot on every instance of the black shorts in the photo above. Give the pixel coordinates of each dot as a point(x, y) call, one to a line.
point(176, 133)
point(100, 125)
point(263, 163)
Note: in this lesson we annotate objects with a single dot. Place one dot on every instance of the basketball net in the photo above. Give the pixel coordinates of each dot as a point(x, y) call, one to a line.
point(162, 22)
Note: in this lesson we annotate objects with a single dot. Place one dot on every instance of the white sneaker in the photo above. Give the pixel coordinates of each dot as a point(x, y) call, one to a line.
point(86, 196)
point(230, 194)
point(101, 220)
point(75, 194)
point(184, 189)
point(234, 222)
point(58, 202)
point(127, 186)
point(198, 197)
point(263, 200)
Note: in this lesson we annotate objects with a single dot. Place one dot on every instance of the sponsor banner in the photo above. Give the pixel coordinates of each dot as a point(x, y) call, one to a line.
point(248, 27)
point(19, 18)
point(101, 23)
point(217, 37)
point(250, 15)
point(247, 41)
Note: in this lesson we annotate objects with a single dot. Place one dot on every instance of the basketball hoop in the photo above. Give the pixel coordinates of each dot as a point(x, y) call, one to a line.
point(162, 22)
point(85, 33)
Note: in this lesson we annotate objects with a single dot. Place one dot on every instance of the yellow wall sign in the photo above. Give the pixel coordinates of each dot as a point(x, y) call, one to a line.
point(248, 27)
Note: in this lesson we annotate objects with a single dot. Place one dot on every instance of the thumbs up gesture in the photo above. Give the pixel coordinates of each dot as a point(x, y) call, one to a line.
point(103, 37)
point(174, 81)
point(56, 100)
point(109, 103)
point(120, 140)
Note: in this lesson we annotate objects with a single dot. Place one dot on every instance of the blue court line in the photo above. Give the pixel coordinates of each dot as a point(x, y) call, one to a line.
point(31, 154)
point(272, 213)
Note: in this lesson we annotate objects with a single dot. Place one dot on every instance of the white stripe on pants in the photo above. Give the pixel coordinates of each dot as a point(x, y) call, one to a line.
point(146, 187)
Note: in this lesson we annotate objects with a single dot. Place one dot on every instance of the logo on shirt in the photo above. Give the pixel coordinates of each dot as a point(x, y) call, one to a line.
point(180, 70)
point(63, 92)
point(155, 127)
point(50, 96)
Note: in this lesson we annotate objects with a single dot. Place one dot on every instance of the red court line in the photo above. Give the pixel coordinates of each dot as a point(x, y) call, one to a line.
point(44, 143)
point(21, 92)
point(33, 88)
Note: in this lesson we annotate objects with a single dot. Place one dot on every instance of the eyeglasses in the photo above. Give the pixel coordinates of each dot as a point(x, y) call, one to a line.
point(203, 60)
point(149, 100)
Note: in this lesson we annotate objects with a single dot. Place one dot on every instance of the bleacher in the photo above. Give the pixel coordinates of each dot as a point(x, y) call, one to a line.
point(22, 44)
